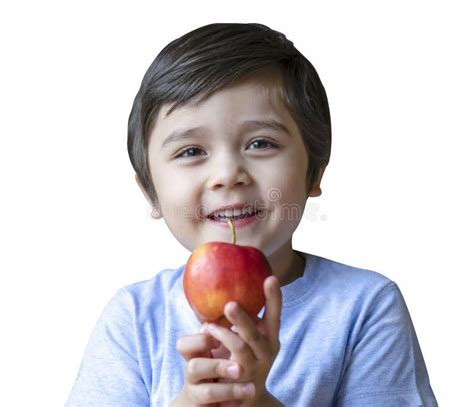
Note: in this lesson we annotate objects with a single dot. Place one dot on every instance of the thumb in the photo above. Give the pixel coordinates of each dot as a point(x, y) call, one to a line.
point(273, 300)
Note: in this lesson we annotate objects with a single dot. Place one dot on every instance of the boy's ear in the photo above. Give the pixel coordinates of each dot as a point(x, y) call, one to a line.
point(316, 187)
point(155, 212)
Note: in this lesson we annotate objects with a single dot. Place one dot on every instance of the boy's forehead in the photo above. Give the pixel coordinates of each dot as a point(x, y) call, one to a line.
point(251, 97)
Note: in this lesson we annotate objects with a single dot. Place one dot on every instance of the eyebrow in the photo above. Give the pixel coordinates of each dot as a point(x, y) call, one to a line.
point(248, 125)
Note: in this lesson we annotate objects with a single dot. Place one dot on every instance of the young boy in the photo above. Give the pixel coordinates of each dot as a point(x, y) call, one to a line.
point(231, 117)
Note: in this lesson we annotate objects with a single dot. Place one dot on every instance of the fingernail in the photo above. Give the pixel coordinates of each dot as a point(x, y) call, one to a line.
point(232, 371)
point(232, 307)
point(249, 389)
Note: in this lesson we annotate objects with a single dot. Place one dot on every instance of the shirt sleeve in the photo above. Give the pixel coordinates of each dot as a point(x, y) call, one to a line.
point(386, 366)
point(110, 373)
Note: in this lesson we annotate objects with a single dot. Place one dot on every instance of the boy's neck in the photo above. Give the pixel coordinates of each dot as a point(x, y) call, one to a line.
point(287, 268)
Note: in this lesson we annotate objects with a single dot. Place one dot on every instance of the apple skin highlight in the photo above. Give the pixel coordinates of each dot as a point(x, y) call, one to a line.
point(218, 272)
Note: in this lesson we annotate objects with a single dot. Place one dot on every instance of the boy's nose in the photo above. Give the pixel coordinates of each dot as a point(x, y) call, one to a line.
point(227, 174)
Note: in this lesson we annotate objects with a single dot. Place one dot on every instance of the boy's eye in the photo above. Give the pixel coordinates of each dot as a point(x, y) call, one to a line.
point(263, 142)
point(189, 152)
point(259, 144)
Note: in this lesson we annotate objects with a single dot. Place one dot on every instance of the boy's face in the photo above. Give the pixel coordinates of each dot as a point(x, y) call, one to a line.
point(224, 163)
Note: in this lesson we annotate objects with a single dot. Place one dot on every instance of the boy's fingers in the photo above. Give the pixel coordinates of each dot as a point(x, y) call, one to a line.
point(233, 342)
point(192, 346)
point(271, 317)
point(247, 330)
point(206, 393)
point(198, 369)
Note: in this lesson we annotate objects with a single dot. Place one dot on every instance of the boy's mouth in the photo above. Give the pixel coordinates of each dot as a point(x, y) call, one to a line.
point(234, 214)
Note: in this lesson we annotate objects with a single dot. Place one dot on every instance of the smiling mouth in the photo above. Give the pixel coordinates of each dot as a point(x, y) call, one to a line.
point(223, 218)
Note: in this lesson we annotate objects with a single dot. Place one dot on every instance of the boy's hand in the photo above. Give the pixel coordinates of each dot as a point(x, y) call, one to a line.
point(202, 372)
point(254, 346)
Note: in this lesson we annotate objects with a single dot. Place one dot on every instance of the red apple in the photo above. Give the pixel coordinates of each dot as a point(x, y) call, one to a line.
point(219, 272)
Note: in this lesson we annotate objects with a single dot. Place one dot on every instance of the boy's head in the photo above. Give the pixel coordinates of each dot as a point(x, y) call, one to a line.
point(218, 78)
point(215, 56)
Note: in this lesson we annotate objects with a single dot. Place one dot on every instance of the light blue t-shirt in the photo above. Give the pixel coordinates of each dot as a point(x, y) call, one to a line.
point(346, 340)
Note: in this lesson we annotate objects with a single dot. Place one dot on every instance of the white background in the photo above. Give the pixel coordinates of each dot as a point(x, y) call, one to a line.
point(397, 195)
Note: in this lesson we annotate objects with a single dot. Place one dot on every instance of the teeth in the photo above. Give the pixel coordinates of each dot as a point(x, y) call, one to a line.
point(234, 212)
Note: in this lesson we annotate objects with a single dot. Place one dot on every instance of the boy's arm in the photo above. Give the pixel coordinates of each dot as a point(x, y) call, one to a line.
point(386, 366)
point(110, 372)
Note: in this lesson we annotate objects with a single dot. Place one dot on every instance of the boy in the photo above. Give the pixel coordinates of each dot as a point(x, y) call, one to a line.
point(231, 117)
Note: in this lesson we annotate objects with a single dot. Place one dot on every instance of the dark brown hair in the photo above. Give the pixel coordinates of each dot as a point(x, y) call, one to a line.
point(216, 56)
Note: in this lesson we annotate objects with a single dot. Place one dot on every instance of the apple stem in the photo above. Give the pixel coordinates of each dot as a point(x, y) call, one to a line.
point(231, 225)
